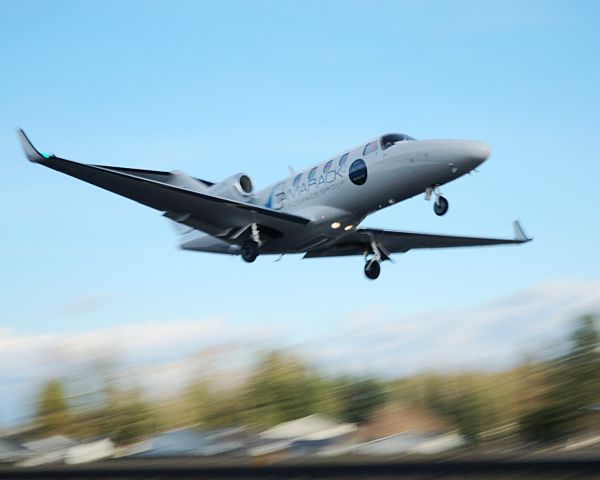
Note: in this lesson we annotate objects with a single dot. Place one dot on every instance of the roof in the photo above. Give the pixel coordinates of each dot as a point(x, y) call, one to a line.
point(178, 442)
point(313, 427)
point(192, 441)
point(11, 449)
point(50, 444)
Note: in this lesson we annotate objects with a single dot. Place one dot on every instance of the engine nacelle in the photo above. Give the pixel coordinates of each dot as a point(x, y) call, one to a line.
point(236, 187)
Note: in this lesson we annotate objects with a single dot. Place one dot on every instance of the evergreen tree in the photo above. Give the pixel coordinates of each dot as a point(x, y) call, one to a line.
point(53, 409)
point(572, 383)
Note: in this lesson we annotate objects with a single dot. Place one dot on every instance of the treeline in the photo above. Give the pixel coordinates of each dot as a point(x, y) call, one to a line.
point(542, 400)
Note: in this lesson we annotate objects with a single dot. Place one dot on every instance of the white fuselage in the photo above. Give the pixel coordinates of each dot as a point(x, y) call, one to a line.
point(327, 194)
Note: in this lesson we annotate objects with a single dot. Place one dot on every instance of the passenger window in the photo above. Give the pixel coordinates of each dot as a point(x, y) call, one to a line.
point(343, 160)
point(327, 166)
point(297, 180)
point(370, 148)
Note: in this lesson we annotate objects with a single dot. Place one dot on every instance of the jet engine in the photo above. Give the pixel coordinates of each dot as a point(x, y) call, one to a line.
point(236, 187)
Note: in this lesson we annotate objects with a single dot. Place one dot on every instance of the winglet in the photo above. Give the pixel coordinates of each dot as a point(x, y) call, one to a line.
point(32, 154)
point(520, 235)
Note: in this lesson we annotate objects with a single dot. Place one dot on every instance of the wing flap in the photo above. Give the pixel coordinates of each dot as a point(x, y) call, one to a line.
point(359, 241)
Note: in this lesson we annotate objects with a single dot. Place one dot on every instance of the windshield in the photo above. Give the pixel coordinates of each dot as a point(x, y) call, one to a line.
point(392, 138)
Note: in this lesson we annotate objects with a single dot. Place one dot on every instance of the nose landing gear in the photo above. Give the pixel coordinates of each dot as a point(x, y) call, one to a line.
point(440, 207)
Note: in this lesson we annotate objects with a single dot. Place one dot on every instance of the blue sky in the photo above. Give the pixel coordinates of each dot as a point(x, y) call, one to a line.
point(225, 87)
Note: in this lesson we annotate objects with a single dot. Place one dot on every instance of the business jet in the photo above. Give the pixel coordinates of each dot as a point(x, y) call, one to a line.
point(316, 212)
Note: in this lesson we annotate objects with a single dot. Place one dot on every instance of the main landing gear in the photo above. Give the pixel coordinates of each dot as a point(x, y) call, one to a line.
point(249, 249)
point(372, 269)
point(372, 266)
point(440, 207)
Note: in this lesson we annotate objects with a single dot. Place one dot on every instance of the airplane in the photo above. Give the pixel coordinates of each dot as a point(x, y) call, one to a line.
point(316, 212)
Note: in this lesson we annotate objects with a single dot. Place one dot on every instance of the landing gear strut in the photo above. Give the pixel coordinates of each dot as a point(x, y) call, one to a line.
point(372, 267)
point(249, 248)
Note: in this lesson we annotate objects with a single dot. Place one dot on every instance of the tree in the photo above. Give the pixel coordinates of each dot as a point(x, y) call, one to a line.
point(281, 389)
point(128, 418)
point(359, 398)
point(211, 407)
point(468, 412)
point(571, 384)
point(53, 408)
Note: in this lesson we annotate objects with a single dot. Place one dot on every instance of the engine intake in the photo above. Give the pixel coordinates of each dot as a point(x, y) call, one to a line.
point(238, 187)
point(244, 184)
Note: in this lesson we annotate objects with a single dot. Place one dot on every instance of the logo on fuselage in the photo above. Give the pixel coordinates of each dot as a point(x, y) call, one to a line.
point(358, 172)
point(294, 193)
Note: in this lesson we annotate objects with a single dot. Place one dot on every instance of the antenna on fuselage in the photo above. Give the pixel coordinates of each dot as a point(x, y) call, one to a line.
point(291, 170)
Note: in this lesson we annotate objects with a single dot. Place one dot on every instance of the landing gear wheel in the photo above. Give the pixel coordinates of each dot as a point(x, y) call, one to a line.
point(440, 207)
point(372, 269)
point(249, 251)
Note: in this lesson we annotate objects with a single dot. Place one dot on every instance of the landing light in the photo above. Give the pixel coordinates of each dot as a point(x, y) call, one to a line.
point(348, 227)
point(336, 225)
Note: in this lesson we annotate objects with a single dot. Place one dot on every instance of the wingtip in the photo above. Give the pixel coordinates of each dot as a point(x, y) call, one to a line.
point(520, 235)
point(32, 154)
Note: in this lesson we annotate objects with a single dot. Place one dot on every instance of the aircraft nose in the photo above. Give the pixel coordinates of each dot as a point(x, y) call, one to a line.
point(474, 154)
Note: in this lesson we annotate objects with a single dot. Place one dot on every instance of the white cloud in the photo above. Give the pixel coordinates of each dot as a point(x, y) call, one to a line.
point(85, 303)
point(163, 356)
point(488, 336)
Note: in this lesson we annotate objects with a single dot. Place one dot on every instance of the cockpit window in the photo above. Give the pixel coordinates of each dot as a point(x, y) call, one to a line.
point(370, 148)
point(343, 160)
point(297, 179)
point(312, 174)
point(392, 138)
point(327, 166)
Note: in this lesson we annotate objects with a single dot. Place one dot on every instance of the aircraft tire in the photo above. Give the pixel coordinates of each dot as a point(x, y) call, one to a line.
point(440, 207)
point(372, 270)
point(249, 251)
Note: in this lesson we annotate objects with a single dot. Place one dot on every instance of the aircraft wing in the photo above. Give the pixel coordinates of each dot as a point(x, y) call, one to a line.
point(215, 215)
point(359, 242)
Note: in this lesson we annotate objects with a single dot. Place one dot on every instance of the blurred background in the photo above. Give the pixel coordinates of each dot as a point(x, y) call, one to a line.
point(115, 343)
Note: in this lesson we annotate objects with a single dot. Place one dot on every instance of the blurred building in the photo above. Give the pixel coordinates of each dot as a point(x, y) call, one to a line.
point(400, 417)
point(12, 449)
point(90, 451)
point(303, 436)
point(184, 442)
point(403, 443)
point(48, 450)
